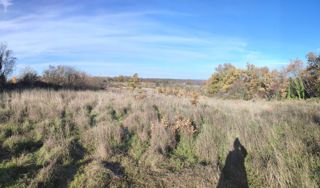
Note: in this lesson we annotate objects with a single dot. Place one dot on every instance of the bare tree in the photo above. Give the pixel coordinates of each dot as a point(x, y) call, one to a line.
point(65, 76)
point(7, 62)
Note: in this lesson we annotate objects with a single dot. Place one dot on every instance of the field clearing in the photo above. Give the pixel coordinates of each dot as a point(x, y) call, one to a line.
point(140, 138)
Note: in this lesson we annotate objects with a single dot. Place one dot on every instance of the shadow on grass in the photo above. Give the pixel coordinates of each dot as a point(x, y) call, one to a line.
point(316, 119)
point(116, 168)
point(11, 174)
point(234, 172)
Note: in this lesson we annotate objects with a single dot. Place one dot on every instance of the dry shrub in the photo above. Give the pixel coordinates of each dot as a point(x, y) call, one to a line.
point(185, 125)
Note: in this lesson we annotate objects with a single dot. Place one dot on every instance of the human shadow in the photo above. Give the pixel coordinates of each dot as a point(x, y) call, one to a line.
point(234, 174)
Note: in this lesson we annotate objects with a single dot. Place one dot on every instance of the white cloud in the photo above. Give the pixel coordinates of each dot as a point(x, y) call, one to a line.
point(6, 4)
point(129, 38)
point(127, 34)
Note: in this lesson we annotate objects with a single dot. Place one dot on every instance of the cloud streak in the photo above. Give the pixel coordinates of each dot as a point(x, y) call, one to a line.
point(135, 38)
point(6, 4)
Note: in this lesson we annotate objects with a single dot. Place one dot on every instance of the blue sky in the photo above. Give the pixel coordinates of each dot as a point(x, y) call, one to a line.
point(158, 38)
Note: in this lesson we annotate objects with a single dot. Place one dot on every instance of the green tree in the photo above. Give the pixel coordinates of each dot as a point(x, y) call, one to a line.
point(296, 88)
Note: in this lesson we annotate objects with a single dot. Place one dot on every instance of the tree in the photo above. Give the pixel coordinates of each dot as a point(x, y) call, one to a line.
point(312, 75)
point(295, 80)
point(7, 62)
point(296, 88)
point(65, 76)
point(223, 79)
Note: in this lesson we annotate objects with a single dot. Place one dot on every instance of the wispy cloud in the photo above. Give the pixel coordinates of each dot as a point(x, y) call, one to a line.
point(116, 40)
point(6, 4)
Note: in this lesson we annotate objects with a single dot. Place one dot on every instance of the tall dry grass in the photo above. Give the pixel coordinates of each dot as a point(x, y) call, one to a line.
point(147, 139)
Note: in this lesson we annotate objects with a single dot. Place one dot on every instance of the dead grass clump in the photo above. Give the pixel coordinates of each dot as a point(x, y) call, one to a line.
point(163, 140)
point(103, 140)
point(208, 143)
point(55, 150)
point(137, 124)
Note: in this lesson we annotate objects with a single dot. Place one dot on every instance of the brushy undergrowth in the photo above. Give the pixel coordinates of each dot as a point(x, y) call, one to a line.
point(118, 139)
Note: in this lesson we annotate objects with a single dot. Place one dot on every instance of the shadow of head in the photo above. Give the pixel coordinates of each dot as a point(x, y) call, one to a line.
point(236, 143)
point(237, 146)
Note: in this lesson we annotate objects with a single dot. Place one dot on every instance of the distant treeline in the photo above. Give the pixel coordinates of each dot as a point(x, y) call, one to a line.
point(294, 81)
point(57, 77)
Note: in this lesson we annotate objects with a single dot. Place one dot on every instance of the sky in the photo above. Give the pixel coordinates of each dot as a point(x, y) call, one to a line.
point(183, 39)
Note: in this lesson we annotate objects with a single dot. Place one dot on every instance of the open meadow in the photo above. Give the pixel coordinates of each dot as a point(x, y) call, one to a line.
point(159, 94)
point(143, 138)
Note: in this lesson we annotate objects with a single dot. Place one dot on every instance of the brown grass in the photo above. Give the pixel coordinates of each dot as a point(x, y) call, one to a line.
point(62, 138)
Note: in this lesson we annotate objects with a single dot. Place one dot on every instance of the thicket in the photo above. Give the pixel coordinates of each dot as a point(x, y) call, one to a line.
point(294, 81)
point(65, 76)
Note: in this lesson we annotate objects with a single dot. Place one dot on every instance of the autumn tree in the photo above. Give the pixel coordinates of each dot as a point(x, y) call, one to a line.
point(258, 82)
point(293, 81)
point(278, 86)
point(223, 79)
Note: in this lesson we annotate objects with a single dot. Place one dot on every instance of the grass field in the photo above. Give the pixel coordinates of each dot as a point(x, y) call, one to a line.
point(144, 139)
